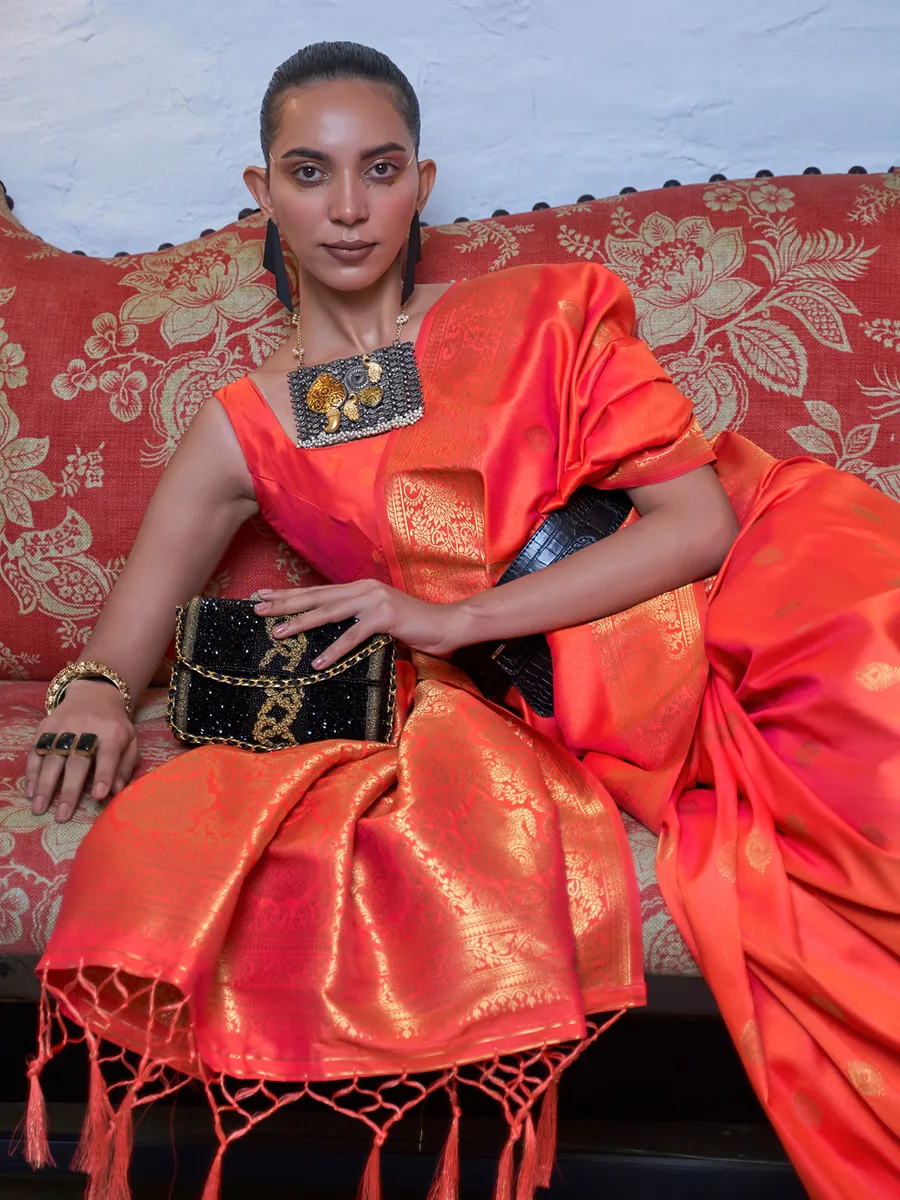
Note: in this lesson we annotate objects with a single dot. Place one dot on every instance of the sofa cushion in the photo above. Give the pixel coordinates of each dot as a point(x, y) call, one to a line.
point(35, 852)
point(771, 302)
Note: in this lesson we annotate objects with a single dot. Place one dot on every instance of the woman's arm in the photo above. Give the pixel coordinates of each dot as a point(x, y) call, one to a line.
point(204, 496)
point(686, 528)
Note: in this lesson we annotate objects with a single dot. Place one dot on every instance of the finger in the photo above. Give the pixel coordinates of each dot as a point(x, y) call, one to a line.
point(304, 599)
point(77, 767)
point(105, 766)
point(322, 616)
point(32, 770)
point(348, 641)
point(127, 764)
point(48, 777)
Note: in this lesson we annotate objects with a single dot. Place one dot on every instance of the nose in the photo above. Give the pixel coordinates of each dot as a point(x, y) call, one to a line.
point(349, 199)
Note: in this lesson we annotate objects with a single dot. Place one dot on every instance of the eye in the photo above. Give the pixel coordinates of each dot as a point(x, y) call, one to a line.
point(384, 169)
point(309, 173)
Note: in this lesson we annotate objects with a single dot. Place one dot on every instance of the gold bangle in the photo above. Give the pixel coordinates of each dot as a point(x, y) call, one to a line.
point(81, 670)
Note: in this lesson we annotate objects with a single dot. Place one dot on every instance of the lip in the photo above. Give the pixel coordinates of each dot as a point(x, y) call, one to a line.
point(350, 252)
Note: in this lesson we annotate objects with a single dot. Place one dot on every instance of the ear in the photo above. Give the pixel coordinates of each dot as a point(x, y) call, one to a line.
point(258, 184)
point(427, 175)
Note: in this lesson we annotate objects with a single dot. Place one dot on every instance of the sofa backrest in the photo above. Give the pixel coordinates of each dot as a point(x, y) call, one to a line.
point(771, 302)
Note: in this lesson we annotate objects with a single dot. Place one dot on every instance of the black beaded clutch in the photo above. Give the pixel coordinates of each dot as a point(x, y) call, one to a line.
point(235, 684)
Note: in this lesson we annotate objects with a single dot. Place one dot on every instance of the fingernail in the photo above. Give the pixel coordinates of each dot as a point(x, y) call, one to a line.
point(264, 591)
point(29, 790)
point(264, 606)
point(319, 662)
point(281, 630)
point(63, 813)
point(100, 791)
point(40, 805)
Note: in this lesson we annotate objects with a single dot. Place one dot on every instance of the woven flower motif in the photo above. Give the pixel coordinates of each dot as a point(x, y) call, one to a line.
point(20, 482)
point(109, 336)
point(76, 378)
point(680, 273)
point(724, 199)
point(12, 373)
point(769, 198)
point(191, 288)
point(124, 387)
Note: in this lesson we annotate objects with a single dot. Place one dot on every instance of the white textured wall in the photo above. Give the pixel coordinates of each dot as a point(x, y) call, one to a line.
point(126, 123)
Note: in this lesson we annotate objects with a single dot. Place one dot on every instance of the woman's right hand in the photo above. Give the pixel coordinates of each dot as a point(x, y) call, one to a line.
point(88, 707)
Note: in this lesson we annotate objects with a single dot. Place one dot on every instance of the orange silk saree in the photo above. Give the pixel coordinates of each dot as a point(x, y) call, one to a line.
point(465, 894)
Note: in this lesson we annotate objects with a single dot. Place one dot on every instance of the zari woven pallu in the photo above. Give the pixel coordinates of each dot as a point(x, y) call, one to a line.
point(450, 908)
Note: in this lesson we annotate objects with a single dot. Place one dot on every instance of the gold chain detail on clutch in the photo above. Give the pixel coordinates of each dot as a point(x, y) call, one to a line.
point(269, 727)
point(236, 743)
point(273, 683)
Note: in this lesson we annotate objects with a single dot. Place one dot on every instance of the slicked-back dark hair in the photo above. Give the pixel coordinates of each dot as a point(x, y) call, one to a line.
point(324, 62)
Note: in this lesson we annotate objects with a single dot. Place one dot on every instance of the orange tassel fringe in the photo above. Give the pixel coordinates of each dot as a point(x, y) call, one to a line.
point(446, 1179)
point(547, 1135)
point(370, 1184)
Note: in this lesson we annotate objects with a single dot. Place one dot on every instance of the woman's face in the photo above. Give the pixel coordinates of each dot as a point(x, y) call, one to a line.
point(343, 182)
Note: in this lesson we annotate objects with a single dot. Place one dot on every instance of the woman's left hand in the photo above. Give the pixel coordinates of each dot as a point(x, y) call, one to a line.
point(377, 607)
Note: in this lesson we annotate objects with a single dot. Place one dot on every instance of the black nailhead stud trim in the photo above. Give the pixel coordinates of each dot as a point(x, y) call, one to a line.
point(812, 171)
point(627, 191)
point(460, 220)
point(764, 174)
point(857, 171)
point(718, 178)
point(586, 198)
point(121, 254)
point(541, 204)
point(500, 212)
point(165, 245)
point(672, 183)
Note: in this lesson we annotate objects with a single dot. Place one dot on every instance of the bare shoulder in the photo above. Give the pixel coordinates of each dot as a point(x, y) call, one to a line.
point(210, 450)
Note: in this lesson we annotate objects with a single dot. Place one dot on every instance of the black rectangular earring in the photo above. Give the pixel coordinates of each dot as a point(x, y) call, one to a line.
point(413, 258)
point(273, 261)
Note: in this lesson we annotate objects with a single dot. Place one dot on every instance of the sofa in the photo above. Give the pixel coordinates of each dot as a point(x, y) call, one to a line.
point(772, 302)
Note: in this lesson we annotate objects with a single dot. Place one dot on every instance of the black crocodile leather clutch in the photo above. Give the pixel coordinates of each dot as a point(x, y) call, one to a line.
point(525, 662)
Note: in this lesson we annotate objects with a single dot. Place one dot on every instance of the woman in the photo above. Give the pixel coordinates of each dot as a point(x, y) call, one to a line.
point(348, 909)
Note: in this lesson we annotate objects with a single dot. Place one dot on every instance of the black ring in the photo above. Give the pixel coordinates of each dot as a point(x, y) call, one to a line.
point(86, 746)
point(64, 743)
point(44, 744)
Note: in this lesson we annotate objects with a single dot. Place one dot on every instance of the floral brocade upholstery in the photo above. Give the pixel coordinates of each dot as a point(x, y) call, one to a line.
point(772, 303)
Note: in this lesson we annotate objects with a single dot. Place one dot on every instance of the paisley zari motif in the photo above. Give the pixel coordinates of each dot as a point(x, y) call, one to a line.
point(464, 895)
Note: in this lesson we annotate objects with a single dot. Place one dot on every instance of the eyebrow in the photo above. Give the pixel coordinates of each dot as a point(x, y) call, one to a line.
point(319, 156)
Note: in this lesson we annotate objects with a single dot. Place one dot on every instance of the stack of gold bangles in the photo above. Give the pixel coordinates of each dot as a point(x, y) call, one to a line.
point(66, 743)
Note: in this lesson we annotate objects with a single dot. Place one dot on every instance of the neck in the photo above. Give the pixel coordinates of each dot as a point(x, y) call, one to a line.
point(338, 324)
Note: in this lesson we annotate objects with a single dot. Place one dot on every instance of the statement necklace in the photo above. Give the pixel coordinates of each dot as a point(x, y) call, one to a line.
point(359, 397)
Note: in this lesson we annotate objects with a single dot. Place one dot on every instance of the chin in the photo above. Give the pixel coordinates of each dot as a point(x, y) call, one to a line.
point(351, 277)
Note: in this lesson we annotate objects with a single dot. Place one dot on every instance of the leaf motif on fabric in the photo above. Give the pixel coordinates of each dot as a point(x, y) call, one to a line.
point(825, 415)
point(813, 439)
point(771, 354)
point(821, 318)
point(860, 440)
